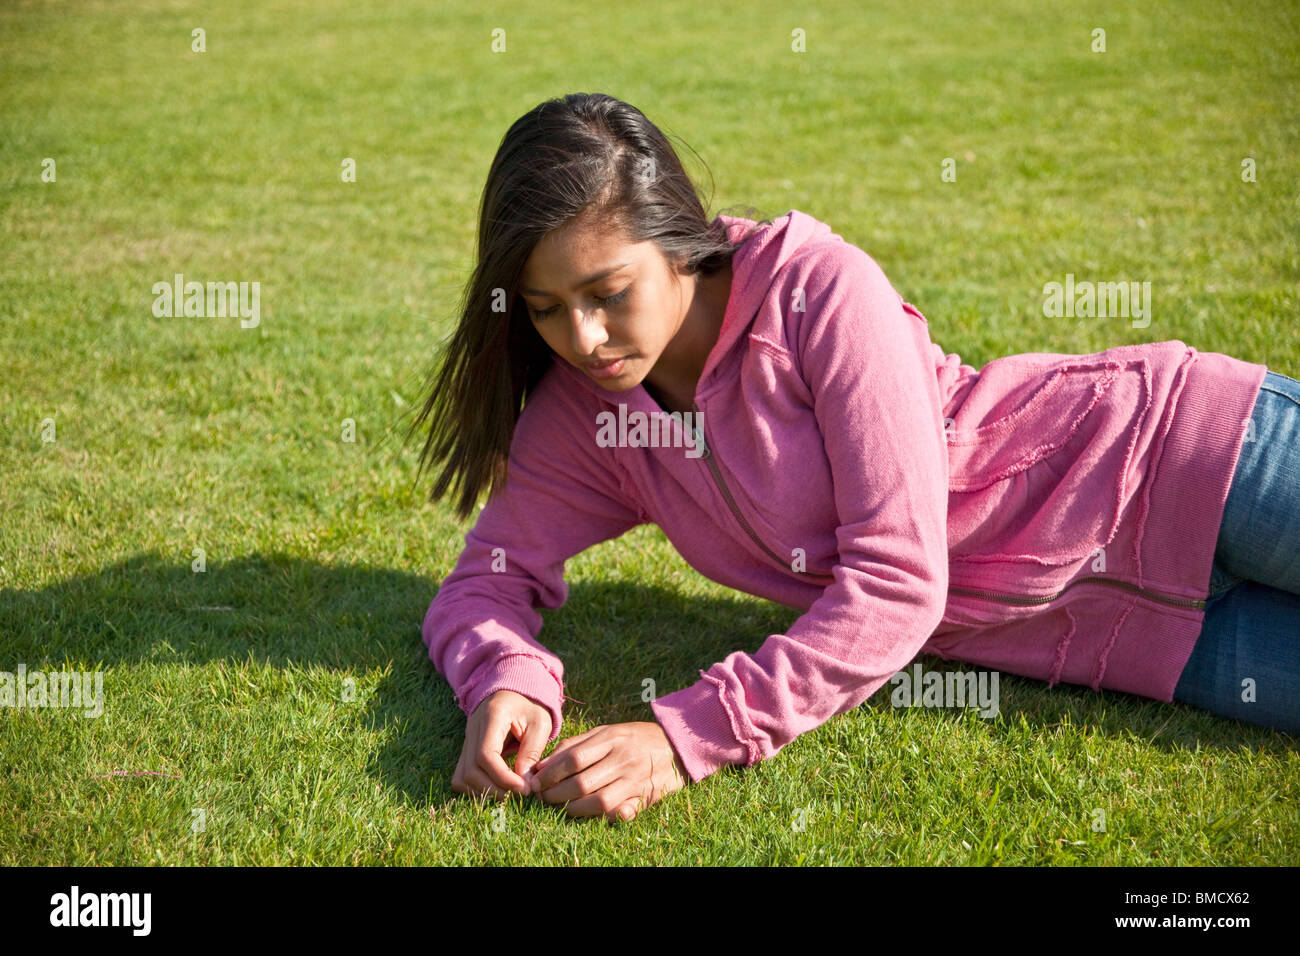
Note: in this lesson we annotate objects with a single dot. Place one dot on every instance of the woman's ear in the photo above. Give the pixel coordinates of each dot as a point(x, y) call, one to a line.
point(681, 267)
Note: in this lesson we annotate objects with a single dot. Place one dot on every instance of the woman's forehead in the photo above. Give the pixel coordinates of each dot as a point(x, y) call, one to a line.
point(572, 256)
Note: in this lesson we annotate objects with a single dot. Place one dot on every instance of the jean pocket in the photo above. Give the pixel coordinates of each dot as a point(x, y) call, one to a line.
point(1039, 459)
point(1280, 384)
point(1221, 580)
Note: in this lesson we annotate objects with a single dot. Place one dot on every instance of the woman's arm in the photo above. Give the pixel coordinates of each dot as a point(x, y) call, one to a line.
point(561, 496)
point(868, 363)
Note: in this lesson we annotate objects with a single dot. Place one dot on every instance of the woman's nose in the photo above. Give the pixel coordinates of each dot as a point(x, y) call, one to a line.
point(587, 332)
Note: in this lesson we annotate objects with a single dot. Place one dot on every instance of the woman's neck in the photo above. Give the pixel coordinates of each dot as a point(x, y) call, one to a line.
point(672, 382)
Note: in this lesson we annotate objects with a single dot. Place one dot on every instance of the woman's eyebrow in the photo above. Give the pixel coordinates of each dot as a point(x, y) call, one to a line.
point(587, 281)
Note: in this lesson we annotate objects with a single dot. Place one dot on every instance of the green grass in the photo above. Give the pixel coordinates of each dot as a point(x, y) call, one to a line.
point(175, 434)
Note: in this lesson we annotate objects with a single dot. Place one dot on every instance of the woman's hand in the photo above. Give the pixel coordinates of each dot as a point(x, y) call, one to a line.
point(503, 723)
point(616, 770)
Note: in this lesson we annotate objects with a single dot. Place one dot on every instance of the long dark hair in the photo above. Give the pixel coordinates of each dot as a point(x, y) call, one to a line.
point(577, 154)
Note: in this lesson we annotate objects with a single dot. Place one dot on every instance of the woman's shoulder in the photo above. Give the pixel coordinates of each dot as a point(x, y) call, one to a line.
point(816, 276)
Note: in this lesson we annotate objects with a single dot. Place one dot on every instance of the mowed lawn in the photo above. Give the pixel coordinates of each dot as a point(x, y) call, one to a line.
point(278, 706)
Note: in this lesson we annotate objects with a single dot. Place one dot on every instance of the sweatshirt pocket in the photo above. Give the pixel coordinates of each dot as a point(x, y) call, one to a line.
point(1039, 458)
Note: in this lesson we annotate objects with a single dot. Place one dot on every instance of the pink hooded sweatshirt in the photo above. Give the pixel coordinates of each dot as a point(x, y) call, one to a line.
point(1051, 515)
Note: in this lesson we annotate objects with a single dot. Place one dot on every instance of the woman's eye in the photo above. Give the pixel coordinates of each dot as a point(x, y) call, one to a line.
point(614, 299)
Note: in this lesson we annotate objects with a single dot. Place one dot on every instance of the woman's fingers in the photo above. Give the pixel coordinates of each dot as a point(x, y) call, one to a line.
point(629, 809)
point(609, 801)
point(488, 755)
point(563, 763)
point(567, 742)
point(637, 769)
point(469, 779)
point(562, 748)
point(477, 784)
point(586, 782)
point(504, 723)
point(532, 741)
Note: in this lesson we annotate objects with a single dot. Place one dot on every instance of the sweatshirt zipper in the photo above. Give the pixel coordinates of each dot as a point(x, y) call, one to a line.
point(990, 595)
point(731, 502)
point(1024, 599)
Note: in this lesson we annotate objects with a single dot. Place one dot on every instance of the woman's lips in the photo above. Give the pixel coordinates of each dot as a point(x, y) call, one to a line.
point(609, 370)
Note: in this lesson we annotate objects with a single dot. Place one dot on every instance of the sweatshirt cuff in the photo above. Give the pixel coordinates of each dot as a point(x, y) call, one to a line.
point(699, 726)
point(523, 674)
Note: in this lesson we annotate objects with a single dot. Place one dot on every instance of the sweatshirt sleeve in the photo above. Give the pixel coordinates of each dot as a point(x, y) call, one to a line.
point(867, 360)
point(559, 498)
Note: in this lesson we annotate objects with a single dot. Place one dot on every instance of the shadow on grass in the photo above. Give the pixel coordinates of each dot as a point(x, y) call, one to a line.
point(612, 638)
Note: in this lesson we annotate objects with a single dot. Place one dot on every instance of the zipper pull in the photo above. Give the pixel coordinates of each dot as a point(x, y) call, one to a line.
point(699, 433)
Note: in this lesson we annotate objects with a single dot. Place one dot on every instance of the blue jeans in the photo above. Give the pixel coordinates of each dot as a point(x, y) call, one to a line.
point(1252, 613)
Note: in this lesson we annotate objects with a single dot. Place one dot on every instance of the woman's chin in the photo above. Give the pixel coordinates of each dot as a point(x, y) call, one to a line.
point(623, 383)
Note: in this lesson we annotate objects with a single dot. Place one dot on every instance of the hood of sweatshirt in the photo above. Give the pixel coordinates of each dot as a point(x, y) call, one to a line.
point(755, 267)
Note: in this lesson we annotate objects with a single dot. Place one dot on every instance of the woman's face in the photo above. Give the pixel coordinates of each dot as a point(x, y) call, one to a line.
point(607, 307)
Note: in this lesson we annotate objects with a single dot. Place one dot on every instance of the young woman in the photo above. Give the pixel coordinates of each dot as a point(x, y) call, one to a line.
point(760, 392)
